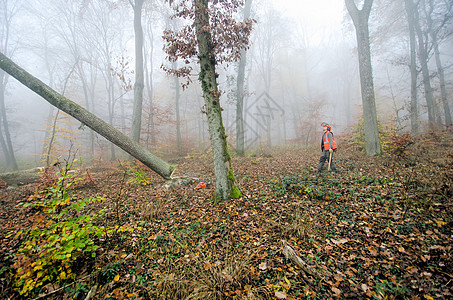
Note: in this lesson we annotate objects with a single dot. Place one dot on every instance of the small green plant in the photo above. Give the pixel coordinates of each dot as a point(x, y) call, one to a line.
point(140, 177)
point(288, 184)
point(61, 234)
point(385, 288)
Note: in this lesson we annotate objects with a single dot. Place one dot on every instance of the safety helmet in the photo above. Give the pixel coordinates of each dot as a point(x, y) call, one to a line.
point(324, 124)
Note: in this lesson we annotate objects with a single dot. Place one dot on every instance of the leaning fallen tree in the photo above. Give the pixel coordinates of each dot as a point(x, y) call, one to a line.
point(73, 109)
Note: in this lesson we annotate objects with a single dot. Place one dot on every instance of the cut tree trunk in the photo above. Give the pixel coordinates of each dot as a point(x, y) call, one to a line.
point(78, 112)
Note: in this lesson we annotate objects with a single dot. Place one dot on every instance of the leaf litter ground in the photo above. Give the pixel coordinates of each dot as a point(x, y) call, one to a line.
point(380, 229)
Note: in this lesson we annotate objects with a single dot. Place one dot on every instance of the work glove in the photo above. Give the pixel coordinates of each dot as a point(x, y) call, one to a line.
point(331, 150)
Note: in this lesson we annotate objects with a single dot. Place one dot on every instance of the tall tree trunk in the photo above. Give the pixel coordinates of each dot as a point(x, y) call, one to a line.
point(139, 78)
point(360, 19)
point(240, 143)
point(423, 58)
point(178, 115)
point(149, 86)
point(93, 72)
point(3, 143)
point(8, 11)
point(85, 117)
point(111, 108)
point(434, 39)
point(443, 90)
point(9, 153)
point(413, 66)
point(85, 88)
point(225, 187)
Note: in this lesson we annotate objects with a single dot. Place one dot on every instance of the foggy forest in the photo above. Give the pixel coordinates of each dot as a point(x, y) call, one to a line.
point(170, 149)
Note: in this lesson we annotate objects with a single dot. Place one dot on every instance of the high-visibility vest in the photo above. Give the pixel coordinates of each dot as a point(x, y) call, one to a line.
point(327, 143)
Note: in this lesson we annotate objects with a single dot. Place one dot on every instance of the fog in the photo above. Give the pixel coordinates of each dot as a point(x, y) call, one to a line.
point(302, 69)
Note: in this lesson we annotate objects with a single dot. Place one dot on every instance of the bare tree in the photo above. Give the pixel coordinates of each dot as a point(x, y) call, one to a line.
point(196, 40)
point(269, 40)
point(360, 19)
point(137, 5)
point(8, 12)
point(435, 29)
point(107, 43)
point(423, 56)
point(177, 111)
point(409, 5)
point(148, 47)
point(240, 148)
point(171, 24)
point(73, 33)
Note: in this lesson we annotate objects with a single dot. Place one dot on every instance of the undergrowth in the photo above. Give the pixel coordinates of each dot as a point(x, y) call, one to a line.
point(62, 234)
point(380, 229)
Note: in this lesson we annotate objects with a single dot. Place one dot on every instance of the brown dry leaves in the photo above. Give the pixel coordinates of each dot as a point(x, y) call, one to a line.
point(377, 233)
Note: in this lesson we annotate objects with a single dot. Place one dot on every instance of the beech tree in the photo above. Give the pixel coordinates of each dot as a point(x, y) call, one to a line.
point(360, 19)
point(210, 21)
point(137, 5)
point(78, 43)
point(423, 56)
point(8, 12)
point(409, 5)
point(269, 40)
point(148, 48)
point(435, 30)
point(240, 148)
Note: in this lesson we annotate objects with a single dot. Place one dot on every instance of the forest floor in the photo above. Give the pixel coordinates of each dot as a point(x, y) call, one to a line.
point(379, 229)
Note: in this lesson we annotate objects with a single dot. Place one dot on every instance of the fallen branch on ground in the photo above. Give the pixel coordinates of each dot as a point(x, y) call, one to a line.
point(177, 181)
point(289, 253)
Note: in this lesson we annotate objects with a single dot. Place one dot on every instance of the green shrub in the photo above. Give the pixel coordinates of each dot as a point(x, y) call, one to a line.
point(62, 233)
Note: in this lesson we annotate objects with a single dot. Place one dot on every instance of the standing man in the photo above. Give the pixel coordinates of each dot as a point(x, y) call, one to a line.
point(328, 147)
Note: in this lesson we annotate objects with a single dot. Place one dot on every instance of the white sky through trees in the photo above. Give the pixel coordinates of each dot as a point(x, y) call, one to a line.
point(316, 17)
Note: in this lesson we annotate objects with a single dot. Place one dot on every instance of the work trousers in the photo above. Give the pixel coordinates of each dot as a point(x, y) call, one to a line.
point(325, 158)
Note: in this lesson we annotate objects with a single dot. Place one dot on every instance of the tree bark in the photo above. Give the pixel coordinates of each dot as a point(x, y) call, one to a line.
point(8, 150)
point(139, 77)
point(423, 58)
point(413, 66)
point(240, 142)
point(177, 111)
point(78, 112)
point(149, 82)
point(225, 184)
point(3, 143)
point(440, 71)
point(360, 20)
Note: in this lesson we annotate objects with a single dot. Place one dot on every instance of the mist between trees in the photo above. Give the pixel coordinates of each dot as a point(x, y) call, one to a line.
point(293, 76)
